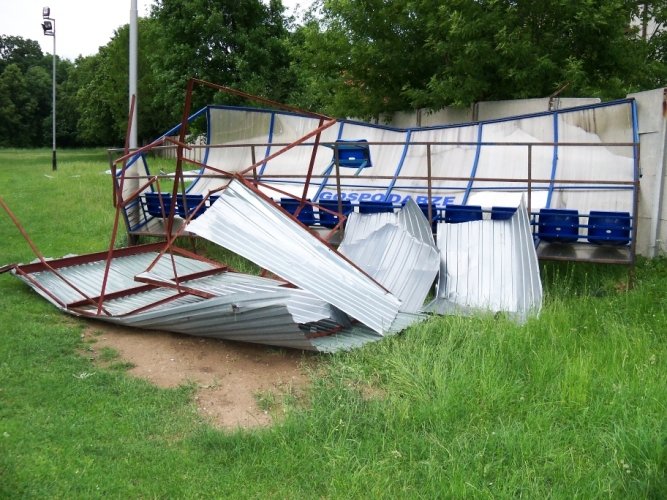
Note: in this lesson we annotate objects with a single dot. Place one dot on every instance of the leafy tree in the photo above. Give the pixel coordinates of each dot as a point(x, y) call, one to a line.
point(366, 57)
point(100, 100)
point(68, 113)
point(653, 34)
point(101, 86)
point(238, 43)
point(25, 92)
point(355, 57)
point(17, 107)
point(17, 50)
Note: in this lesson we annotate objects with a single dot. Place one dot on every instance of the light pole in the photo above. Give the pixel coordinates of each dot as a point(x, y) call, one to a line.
point(133, 71)
point(49, 27)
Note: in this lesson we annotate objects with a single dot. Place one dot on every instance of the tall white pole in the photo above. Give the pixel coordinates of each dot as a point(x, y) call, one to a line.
point(54, 163)
point(133, 71)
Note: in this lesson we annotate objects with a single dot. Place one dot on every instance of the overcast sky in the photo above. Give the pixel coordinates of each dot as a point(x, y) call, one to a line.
point(82, 26)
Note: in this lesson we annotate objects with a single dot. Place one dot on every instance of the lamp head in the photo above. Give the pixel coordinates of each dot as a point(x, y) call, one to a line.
point(46, 12)
point(47, 26)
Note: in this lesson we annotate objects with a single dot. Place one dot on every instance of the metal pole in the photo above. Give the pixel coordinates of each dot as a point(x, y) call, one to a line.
point(133, 70)
point(531, 217)
point(428, 180)
point(54, 162)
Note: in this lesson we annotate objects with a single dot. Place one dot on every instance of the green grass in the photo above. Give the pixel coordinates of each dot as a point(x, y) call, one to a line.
point(571, 405)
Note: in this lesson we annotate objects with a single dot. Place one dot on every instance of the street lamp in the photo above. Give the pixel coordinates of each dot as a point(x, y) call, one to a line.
point(49, 27)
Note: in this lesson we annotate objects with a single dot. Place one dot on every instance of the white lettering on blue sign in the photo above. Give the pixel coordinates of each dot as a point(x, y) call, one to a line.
point(394, 198)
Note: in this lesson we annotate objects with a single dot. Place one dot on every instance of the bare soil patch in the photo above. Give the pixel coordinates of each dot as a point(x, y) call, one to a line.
point(238, 384)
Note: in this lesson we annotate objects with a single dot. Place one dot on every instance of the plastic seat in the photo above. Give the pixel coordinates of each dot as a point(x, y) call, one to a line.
point(375, 207)
point(502, 213)
point(192, 201)
point(354, 155)
point(609, 228)
point(158, 204)
point(455, 214)
point(306, 214)
point(328, 219)
point(558, 225)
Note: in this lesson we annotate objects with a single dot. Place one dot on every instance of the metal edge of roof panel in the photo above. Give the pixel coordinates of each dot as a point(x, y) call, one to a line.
point(253, 227)
point(359, 335)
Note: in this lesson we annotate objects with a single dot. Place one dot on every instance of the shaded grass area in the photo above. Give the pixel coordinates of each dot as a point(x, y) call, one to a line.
point(572, 404)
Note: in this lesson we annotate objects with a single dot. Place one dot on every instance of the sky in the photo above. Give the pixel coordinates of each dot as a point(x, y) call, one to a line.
point(82, 26)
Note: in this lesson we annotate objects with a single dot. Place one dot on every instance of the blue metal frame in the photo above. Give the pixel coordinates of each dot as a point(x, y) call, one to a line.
point(475, 163)
point(327, 171)
point(272, 122)
point(395, 181)
point(554, 160)
point(399, 167)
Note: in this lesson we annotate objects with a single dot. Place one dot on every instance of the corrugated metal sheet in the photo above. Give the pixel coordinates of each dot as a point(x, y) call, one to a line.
point(243, 307)
point(359, 335)
point(261, 318)
point(395, 249)
point(488, 265)
point(247, 224)
point(88, 275)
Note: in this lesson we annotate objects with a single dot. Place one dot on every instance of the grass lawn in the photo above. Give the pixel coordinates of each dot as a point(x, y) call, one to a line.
point(572, 404)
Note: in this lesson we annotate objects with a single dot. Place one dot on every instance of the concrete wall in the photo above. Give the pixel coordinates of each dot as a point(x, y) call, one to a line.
point(651, 106)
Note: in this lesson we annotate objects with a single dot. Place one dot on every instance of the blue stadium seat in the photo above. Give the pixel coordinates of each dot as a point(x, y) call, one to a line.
point(306, 215)
point(330, 220)
point(354, 155)
point(609, 228)
point(192, 201)
point(375, 207)
point(558, 225)
point(455, 214)
point(502, 213)
point(158, 204)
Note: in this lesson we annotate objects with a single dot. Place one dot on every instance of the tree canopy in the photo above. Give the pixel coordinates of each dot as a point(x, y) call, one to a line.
point(376, 56)
point(360, 58)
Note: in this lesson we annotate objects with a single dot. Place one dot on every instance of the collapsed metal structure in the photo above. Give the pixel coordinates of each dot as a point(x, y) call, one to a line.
point(354, 253)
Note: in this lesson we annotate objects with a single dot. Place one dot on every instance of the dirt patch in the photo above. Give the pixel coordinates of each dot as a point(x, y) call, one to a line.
point(238, 384)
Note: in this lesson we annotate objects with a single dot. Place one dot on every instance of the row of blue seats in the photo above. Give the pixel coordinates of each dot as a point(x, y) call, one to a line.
point(452, 213)
point(159, 204)
point(558, 225)
point(553, 225)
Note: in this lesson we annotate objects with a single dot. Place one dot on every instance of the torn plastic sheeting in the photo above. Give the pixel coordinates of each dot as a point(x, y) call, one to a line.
point(488, 265)
point(395, 249)
point(253, 227)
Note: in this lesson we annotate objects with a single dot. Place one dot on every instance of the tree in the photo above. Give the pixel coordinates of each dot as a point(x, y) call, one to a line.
point(238, 43)
point(17, 50)
point(102, 93)
point(17, 109)
point(355, 57)
point(367, 57)
point(653, 34)
point(25, 92)
point(100, 84)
